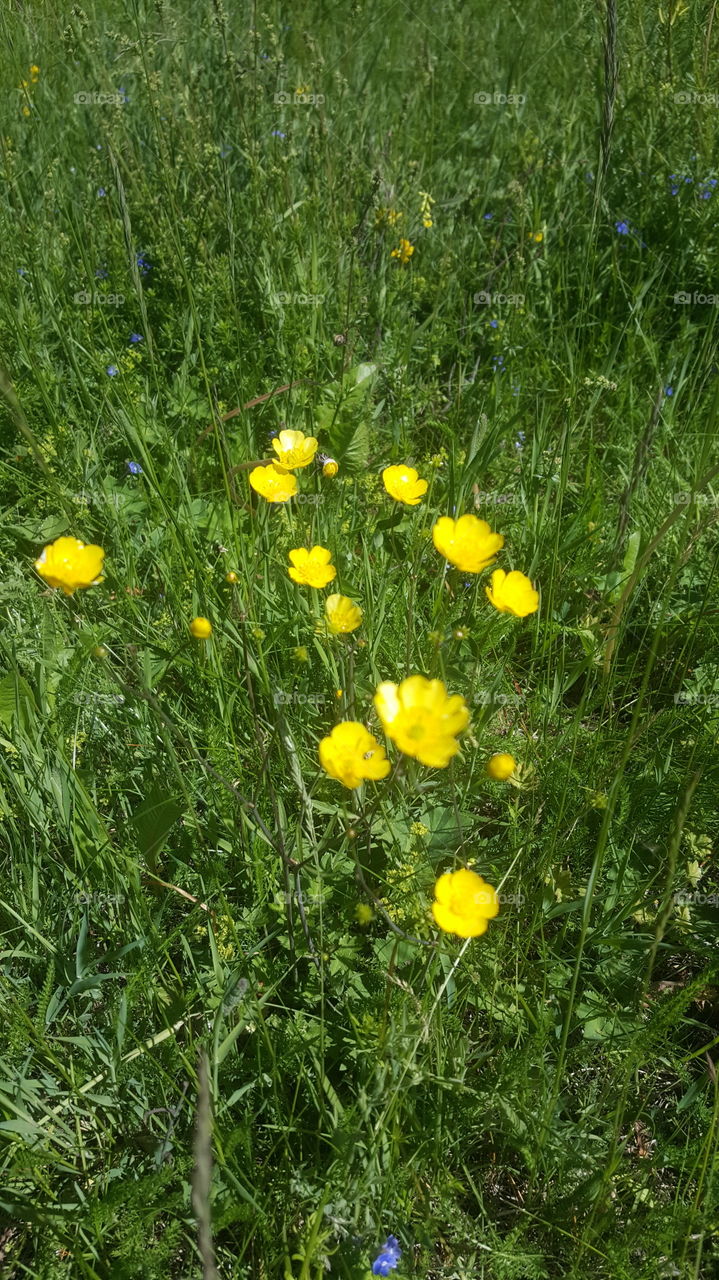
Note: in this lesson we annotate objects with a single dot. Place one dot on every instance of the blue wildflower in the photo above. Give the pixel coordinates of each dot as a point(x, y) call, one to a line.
point(143, 264)
point(494, 323)
point(277, 133)
point(487, 216)
point(101, 191)
point(674, 190)
point(111, 370)
point(225, 150)
point(387, 1258)
point(134, 468)
point(21, 271)
point(102, 272)
point(135, 337)
point(123, 94)
point(521, 437)
point(669, 391)
point(622, 228)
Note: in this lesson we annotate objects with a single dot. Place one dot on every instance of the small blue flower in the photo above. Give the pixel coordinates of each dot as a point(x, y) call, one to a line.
point(622, 228)
point(123, 94)
point(674, 190)
point(136, 337)
point(688, 179)
point(102, 272)
point(101, 191)
point(21, 271)
point(515, 392)
point(277, 133)
point(143, 264)
point(494, 323)
point(669, 391)
point(134, 468)
point(387, 1258)
point(487, 216)
point(589, 176)
point(111, 370)
point(225, 150)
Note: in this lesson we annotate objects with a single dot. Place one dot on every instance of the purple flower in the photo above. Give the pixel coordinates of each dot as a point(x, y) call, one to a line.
point(135, 337)
point(134, 468)
point(622, 228)
point(494, 323)
point(387, 1258)
point(111, 370)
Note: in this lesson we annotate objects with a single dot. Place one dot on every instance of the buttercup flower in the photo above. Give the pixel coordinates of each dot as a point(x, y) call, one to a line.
point(501, 766)
point(403, 484)
point(467, 543)
point(294, 449)
point(387, 1258)
point(422, 719)
point(512, 593)
point(201, 628)
point(330, 468)
point(311, 568)
point(343, 615)
point(363, 913)
point(231, 576)
point(273, 483)
point(464, 903)
point(69, 563)
point(350, 754)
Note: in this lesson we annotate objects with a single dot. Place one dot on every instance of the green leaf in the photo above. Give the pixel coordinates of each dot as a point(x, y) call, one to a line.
point(153, 822)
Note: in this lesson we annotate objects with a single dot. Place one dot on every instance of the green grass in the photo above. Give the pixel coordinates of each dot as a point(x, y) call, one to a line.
point(179, 878)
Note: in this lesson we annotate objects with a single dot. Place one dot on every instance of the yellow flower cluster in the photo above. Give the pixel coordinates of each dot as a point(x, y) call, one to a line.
point(403, 251)
point(425, 209)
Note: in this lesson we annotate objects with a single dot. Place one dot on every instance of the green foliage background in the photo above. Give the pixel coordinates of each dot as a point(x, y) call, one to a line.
point(176, 873)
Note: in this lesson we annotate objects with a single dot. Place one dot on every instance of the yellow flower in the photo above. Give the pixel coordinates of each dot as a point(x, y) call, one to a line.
point(294, 449)
point(330, 468)
point(363, 913)
point(312, 568)
point(231, 577)
point(404, 252)
point(273, 483)
point(422, 719)
point(536, 236)
point(343, 615)
point(512, 593)
point(403, 484)
point(350, 754)
point(501, 766)
point(464, 903)
point(70, 563)
point(201, 628)
point(34, 71)
point(467, 543)
point(300, 654)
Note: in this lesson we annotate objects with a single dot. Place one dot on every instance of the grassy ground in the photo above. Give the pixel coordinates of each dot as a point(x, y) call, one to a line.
point(179, 877)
